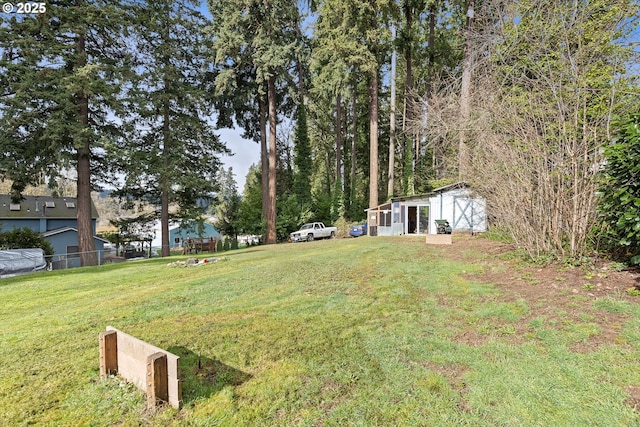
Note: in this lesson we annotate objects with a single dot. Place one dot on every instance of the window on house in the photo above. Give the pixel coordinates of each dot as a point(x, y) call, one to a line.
point(73, 252)
point(14, 207)
point(49, 204)
point(71, 204)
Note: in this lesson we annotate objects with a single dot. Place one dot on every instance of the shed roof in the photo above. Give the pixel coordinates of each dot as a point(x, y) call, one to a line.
point(439, 190)
point(41, 207)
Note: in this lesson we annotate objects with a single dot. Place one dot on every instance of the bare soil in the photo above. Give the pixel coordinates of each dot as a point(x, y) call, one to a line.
point(562, 295)
point(553, 290)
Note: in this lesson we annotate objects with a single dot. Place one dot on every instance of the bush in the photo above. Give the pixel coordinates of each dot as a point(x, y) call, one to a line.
point(343, 227)
point(24, 238)
point(620, 189)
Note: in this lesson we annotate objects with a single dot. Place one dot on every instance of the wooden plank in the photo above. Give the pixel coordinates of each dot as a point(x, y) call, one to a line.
point(157, 380)
point(438, 239)
point(108, 353)
point(132, 365)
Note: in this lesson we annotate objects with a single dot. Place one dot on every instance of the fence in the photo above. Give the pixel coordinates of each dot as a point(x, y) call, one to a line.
point(72, 260)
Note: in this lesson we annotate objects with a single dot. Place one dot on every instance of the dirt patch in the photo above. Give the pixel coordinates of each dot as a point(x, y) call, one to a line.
point(562, 296)
point(634, 397)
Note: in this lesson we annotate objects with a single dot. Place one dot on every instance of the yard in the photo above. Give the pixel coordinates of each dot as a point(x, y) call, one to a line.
point(367, 331)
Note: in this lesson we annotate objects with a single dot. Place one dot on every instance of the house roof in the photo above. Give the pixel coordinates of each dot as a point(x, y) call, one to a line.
point(62, 230)
point(41, 207)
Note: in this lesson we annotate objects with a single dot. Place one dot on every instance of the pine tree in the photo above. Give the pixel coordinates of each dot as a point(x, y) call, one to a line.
point(303, 164)
point(227, 204)
point(264, 37)
point(172, 157)
point(250, 219)
point(60, 74)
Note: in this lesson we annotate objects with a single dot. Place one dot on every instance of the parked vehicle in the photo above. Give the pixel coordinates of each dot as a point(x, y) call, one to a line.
point(312, 231)
point(358, 230)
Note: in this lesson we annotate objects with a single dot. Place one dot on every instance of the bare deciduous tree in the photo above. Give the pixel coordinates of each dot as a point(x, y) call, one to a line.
point(546, 80)
point(548, 100)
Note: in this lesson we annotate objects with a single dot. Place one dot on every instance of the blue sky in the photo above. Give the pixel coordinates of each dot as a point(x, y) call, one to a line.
point(245, 154)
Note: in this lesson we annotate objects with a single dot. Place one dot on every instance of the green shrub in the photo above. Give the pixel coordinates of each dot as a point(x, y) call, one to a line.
point(620, 189)
point(24, 238)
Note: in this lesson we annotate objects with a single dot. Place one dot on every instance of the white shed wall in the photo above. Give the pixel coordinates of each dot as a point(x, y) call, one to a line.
point(462, 211)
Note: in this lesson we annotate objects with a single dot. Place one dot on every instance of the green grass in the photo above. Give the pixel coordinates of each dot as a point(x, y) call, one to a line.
point(353, 332)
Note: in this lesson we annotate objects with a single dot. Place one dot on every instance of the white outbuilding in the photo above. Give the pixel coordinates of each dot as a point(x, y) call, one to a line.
point(417, 214)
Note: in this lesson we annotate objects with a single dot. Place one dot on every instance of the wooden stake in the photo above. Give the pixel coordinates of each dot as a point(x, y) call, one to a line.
point(157, 380)
point(108, 353)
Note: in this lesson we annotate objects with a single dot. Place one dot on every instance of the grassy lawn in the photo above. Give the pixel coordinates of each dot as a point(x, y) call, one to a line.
point(362, 332)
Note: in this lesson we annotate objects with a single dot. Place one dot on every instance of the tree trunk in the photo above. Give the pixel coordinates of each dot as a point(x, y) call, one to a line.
point(338, 180)
point(432, 47)
point(86, 244)
point(271, 218)
point(465, 96)
point(264, 159)
point(408, 100)
point(164, 182)
point(392, 123)
point(373, 140)
point(353, 189)
point(433, 10)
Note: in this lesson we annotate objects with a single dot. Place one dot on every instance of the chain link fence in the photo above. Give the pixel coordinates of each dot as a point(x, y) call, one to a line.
point(72, 260)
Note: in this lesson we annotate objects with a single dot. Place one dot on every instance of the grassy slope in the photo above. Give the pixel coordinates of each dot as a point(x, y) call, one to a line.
point(345, 332)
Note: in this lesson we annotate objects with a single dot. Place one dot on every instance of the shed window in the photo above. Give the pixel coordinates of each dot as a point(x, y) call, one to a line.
point(385, 218)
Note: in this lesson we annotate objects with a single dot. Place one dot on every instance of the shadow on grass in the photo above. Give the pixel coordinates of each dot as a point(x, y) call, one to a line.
point(203, 377)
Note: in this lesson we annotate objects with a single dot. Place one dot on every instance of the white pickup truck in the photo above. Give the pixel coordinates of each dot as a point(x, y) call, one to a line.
point(312, 231)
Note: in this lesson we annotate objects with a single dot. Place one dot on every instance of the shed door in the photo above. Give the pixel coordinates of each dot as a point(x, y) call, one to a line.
point(423, 219)
point(462, 213)
point(373, 223)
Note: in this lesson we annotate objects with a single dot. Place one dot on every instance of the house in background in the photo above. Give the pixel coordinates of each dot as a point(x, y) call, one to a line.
point(53, 217)
point(205, 230)
point(178, 233)
point(417, 214)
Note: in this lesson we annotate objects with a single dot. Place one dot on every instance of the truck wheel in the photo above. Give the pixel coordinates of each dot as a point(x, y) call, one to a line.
point(309, 237)
point(333, 235)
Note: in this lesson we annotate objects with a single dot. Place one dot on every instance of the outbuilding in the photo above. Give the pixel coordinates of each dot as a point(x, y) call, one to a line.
point(417, 214)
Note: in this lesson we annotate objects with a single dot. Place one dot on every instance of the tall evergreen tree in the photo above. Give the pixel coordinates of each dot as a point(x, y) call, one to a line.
point(173, 155)
point(263, 35)
point(227, 204)
point(250, 220)
point(60, 73)
point(342, 30)
point(303, 163)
